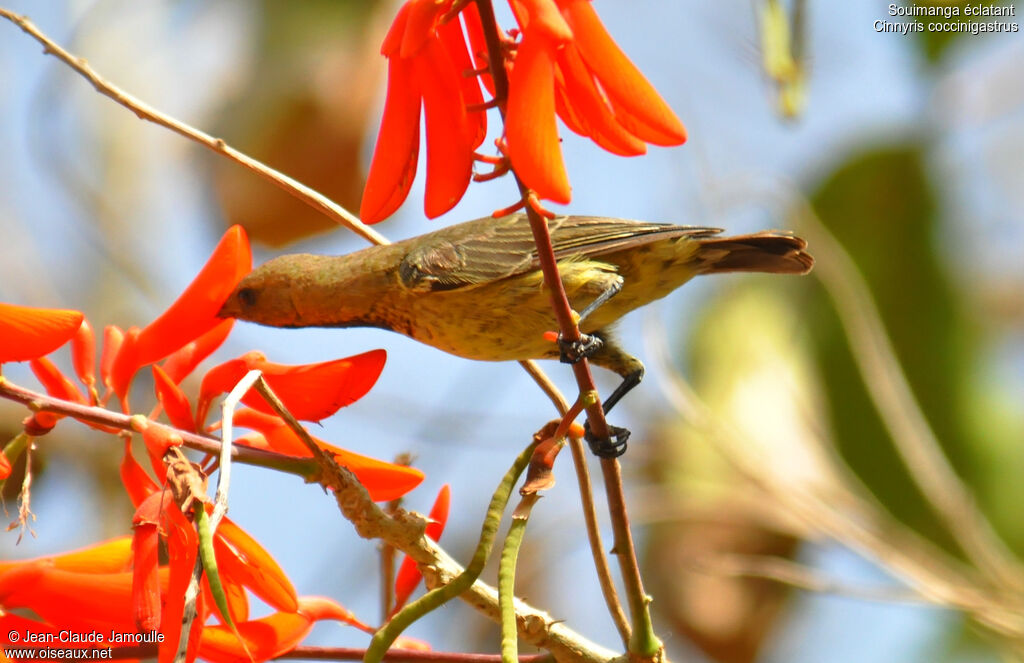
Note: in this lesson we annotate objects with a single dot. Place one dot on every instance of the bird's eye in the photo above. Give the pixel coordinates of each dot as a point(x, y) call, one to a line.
point(248, 296)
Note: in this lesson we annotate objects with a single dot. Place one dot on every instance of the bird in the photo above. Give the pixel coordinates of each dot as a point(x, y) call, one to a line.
point(476, 289)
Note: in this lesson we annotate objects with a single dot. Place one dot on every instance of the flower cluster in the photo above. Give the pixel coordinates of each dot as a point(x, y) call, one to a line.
point(565, 64)
point(120, 586)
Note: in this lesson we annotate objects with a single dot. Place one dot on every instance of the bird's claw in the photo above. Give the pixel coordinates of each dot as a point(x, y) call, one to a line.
point(608, 447)
point(571, 352)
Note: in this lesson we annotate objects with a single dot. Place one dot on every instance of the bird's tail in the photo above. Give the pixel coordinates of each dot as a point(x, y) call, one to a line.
point(768, 251)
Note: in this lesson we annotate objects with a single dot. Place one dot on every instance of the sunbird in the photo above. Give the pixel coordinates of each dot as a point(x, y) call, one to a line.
point(476, 290)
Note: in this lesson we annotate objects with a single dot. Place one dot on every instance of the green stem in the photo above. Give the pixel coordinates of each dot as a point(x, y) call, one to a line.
point(437, 597)
point(507, 579)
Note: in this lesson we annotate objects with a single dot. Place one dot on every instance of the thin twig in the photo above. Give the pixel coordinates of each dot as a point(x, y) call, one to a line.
point(40, 402)
point(579, 459)
point(642, 641)
point(144, 111)
point(799, 576)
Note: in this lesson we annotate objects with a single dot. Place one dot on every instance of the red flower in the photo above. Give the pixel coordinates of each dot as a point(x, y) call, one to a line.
point(426, 62)
point(190, 317)
point(569, 64)
point(384, 481)
point(30, 333)
point(310, 391)
point(409, 576)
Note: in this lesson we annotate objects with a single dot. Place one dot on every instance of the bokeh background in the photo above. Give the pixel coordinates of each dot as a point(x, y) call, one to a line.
point(909, 149)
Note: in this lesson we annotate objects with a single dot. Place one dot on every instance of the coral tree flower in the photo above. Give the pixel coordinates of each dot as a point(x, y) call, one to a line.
point(427, 58)
point(30, 333)
point(568, 64)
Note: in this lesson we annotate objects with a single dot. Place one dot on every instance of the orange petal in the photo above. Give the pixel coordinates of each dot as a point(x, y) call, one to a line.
point(454, 42)
point(243, 559)
point(477, 43)
point(311, 392)
point(591, 108)
point(56, 383)
point(112, 339)
point(384, 481)
point(111, 556)
point(392, 43)
point(394, 158)
point(195, 312)
point(409, 576)
point(182, 546)
point(419, 26)
point(173, 400)
point(449, 152)
point(5, 466)
point(638, 105)
point(234, 592)
point(267, 637)
point(135, 480)
point(182, 362)
point(158, 440)
point(145, 576)
point(83, 354)
point(125, 364)
point(28, 333)
point(530, 130)
point(72, 599)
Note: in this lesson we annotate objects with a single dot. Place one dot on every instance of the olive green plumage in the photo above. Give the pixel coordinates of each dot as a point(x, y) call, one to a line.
point(475, 289)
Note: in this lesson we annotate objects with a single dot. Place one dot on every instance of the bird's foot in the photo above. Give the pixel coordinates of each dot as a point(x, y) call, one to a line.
point(571, 352)
point(608, 447)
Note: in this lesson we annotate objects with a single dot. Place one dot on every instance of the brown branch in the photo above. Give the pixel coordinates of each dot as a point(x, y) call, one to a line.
point(144, 111)
point(624, 549)
point(403, 656)
point(579, 459)
point(39, 402)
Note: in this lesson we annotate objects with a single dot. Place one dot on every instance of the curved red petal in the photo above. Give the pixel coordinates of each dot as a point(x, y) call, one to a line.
point(477, 43)
point(234, 593)
point(394, 158)
point(83, 354)
point(182, 547)
point(639, 107)
point(125, 365)
point(243, 559)
point(195, 312)
point(220, 379)
point(530, 130)
point(113, 337)
point(409, 576)
point(392, 43)
point(182, 362)
point(316, 391)
point(454, 42)
point(135, 480)
point(74, 600)
point(174, 401)
point(419, 27)
point(145, 576)
point(54, 381)
point(384, 481)
point(449, 151)
point(591, 109)
point(28, 333)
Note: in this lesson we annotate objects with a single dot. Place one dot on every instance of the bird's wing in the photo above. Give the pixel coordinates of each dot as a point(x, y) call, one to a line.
point(486, 250)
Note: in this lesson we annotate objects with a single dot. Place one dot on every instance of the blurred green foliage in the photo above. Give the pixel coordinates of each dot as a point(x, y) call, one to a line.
point(882, 208)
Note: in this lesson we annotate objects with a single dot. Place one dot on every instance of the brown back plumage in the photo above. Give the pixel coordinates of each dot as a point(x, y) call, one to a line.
point(768, 251)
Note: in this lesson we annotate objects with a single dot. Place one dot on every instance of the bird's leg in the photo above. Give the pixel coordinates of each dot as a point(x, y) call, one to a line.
point(573, 351)
point(614, 446)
